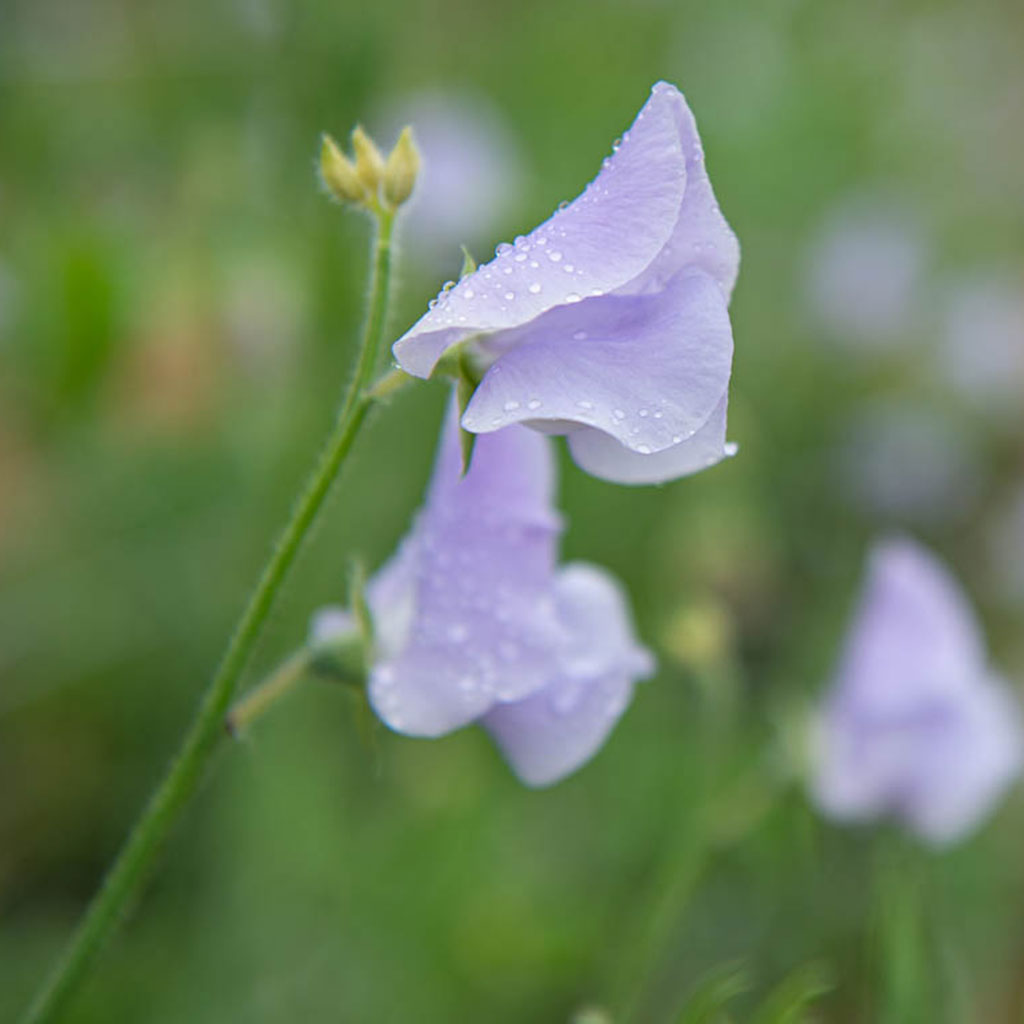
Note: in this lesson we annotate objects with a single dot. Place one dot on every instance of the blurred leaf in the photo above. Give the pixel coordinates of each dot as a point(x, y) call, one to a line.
point(719, 986)
point(786, 1004)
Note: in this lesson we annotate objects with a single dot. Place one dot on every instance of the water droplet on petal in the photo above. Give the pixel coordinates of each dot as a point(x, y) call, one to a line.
point(511, 405)
point(534, 288)
point(533, 403)
point(619, 414)
point(510, 296)
point(573, 297)
point(554, 255)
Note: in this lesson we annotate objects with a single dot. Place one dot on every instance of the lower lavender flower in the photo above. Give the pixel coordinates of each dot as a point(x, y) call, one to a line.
point(474, 621)
point(917, 726)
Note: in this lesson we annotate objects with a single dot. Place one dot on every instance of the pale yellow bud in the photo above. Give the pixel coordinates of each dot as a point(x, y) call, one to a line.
point(402, 167)
point(369, 162)
point(339, 173)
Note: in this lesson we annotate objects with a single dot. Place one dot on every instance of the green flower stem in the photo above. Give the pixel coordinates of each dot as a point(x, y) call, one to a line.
point(186, 770)
point(280, 682)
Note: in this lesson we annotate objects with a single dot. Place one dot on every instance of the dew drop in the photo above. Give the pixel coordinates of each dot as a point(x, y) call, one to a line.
point(520, 257)
point(731, 448)
point(509, 296)
point(677, 438)
point(583, 404)
point(573, 297)
point(619, 414)
point(564, 204)
point(568, 268)
point(503, 248)
point(643, 449)
point(511, 405)
point(554, 255)
point(468, 293)
point(534, 288)
point(533, 403)
point(642, 413)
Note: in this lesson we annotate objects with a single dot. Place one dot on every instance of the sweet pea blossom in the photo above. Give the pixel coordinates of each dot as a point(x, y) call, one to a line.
point(916, 725)
point(609, 322)
point(474, 621)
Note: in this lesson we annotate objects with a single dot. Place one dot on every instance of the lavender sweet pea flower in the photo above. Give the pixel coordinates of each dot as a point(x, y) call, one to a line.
point(917, 725)
point(475, 622)
point(608, 323)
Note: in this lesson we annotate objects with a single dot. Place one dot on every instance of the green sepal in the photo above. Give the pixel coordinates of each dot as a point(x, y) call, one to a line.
point(468, 263)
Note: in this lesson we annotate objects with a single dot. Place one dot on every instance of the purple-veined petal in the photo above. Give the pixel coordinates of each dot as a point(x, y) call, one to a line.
point(647, 370)
point(463, 612)
point(553, 732)
point(605, 238)
point(602, 456)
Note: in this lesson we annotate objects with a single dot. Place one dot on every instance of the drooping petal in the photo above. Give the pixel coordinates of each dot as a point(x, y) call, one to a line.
point(463, 612)
point(702, 236)
point(605, 238)
point(602, 456)
point(647, 370)
point(553, 732)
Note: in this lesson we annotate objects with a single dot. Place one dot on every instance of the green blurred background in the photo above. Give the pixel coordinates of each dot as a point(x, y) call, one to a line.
point(178, 308)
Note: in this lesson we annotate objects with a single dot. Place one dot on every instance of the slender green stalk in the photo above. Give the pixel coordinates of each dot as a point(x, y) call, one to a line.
point(280, 682)
point(183, 776)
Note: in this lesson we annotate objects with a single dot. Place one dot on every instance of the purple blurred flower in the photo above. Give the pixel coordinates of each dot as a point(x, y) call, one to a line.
point(475, 622)
point(865, 273)
point(608, 323)
point(916, 725)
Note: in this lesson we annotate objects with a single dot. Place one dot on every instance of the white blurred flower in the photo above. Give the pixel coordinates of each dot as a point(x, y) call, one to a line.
point(472, 175)
point(981, 348)
point(908, 464)
point(864, 273)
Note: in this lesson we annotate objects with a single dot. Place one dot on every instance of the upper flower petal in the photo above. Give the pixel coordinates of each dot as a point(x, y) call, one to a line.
point(605, 238)
point(551, 733)
point(602, 456)
point(702, 236)
point(647, 370)
point(463, 612)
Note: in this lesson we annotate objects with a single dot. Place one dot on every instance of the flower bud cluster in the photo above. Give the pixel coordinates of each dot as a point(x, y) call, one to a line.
point(366, 178)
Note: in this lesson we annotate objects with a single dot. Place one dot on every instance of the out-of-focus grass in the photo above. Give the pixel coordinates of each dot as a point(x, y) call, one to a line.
point(177, 304)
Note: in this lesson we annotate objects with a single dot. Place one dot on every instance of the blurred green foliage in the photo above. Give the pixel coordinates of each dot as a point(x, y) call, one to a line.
point(178, 304)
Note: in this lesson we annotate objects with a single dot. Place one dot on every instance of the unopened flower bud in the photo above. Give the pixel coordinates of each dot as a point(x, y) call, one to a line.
point(339, 173)
point(369, 162)
point(401, 169)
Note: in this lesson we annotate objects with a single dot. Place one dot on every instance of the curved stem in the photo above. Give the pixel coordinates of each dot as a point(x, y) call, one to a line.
point(183, 776)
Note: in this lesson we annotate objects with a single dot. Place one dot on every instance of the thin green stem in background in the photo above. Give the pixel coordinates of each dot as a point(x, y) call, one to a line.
point(174, 791)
